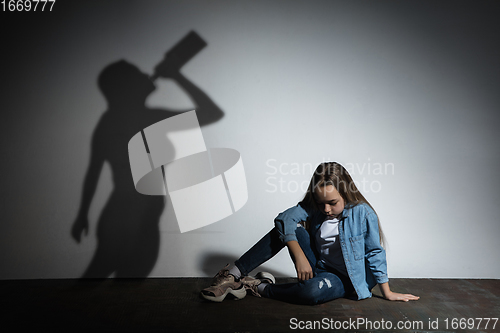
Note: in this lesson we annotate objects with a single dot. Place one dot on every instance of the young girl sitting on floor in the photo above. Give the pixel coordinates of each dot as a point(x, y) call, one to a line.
point(334, 238)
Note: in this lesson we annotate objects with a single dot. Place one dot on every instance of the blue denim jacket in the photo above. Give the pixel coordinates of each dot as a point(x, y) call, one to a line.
point(359, 239)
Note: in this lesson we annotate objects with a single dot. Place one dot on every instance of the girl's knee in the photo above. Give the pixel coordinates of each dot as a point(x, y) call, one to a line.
point(302, 232)
point(319, 290)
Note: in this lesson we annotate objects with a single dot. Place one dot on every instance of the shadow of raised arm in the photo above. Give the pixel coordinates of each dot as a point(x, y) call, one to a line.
point(206, 110)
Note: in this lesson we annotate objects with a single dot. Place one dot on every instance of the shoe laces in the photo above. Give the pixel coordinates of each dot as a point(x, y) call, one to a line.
point(252, 284)
point(253, 289)
point(221, 275)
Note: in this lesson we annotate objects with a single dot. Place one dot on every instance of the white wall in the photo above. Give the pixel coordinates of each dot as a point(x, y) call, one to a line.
point(411, 85)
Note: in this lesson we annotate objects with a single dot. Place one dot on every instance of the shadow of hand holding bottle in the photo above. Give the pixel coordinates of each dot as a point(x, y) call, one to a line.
point(128, 237)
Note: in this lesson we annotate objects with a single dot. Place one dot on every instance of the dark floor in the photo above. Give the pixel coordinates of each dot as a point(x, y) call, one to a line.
point(175, 305)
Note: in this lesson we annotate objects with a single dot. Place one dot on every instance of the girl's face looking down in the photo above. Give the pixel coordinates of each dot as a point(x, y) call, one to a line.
point(329, 200)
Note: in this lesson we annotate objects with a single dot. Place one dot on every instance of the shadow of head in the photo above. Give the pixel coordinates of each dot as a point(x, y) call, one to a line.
point(123, 83)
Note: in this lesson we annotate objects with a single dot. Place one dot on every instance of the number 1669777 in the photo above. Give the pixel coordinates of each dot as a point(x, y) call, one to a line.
point(27, 5)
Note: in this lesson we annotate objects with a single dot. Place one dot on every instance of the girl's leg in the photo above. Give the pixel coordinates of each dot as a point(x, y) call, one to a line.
point(269, 246)
point(324, 287)
point(227, 281)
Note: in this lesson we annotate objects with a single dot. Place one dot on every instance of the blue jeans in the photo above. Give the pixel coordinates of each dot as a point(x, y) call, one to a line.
point(326, 285)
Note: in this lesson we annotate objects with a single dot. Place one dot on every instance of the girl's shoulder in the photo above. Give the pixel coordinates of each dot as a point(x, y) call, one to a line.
point(360, 209)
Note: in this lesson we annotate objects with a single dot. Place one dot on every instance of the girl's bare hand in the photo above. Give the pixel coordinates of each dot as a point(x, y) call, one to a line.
point(401, 297)
point(303, 268)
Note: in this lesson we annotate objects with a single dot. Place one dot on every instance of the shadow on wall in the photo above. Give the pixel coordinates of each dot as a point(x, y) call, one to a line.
point(211, 262)
point(128, 227)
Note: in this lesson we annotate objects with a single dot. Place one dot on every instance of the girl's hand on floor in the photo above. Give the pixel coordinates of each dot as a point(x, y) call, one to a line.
point(401, 297)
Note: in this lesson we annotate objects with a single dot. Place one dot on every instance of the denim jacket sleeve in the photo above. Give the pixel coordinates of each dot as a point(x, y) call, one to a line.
point(286, 222)
point(374, 252)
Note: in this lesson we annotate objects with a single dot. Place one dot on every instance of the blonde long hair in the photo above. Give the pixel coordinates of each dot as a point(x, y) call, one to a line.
point(333, 173)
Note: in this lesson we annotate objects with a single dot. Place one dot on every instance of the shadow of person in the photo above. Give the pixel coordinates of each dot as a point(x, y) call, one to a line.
point(216, 260)
point(128, 226)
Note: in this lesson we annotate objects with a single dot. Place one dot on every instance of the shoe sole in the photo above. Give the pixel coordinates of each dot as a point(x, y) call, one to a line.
point(265, 275)
point(237, 293)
